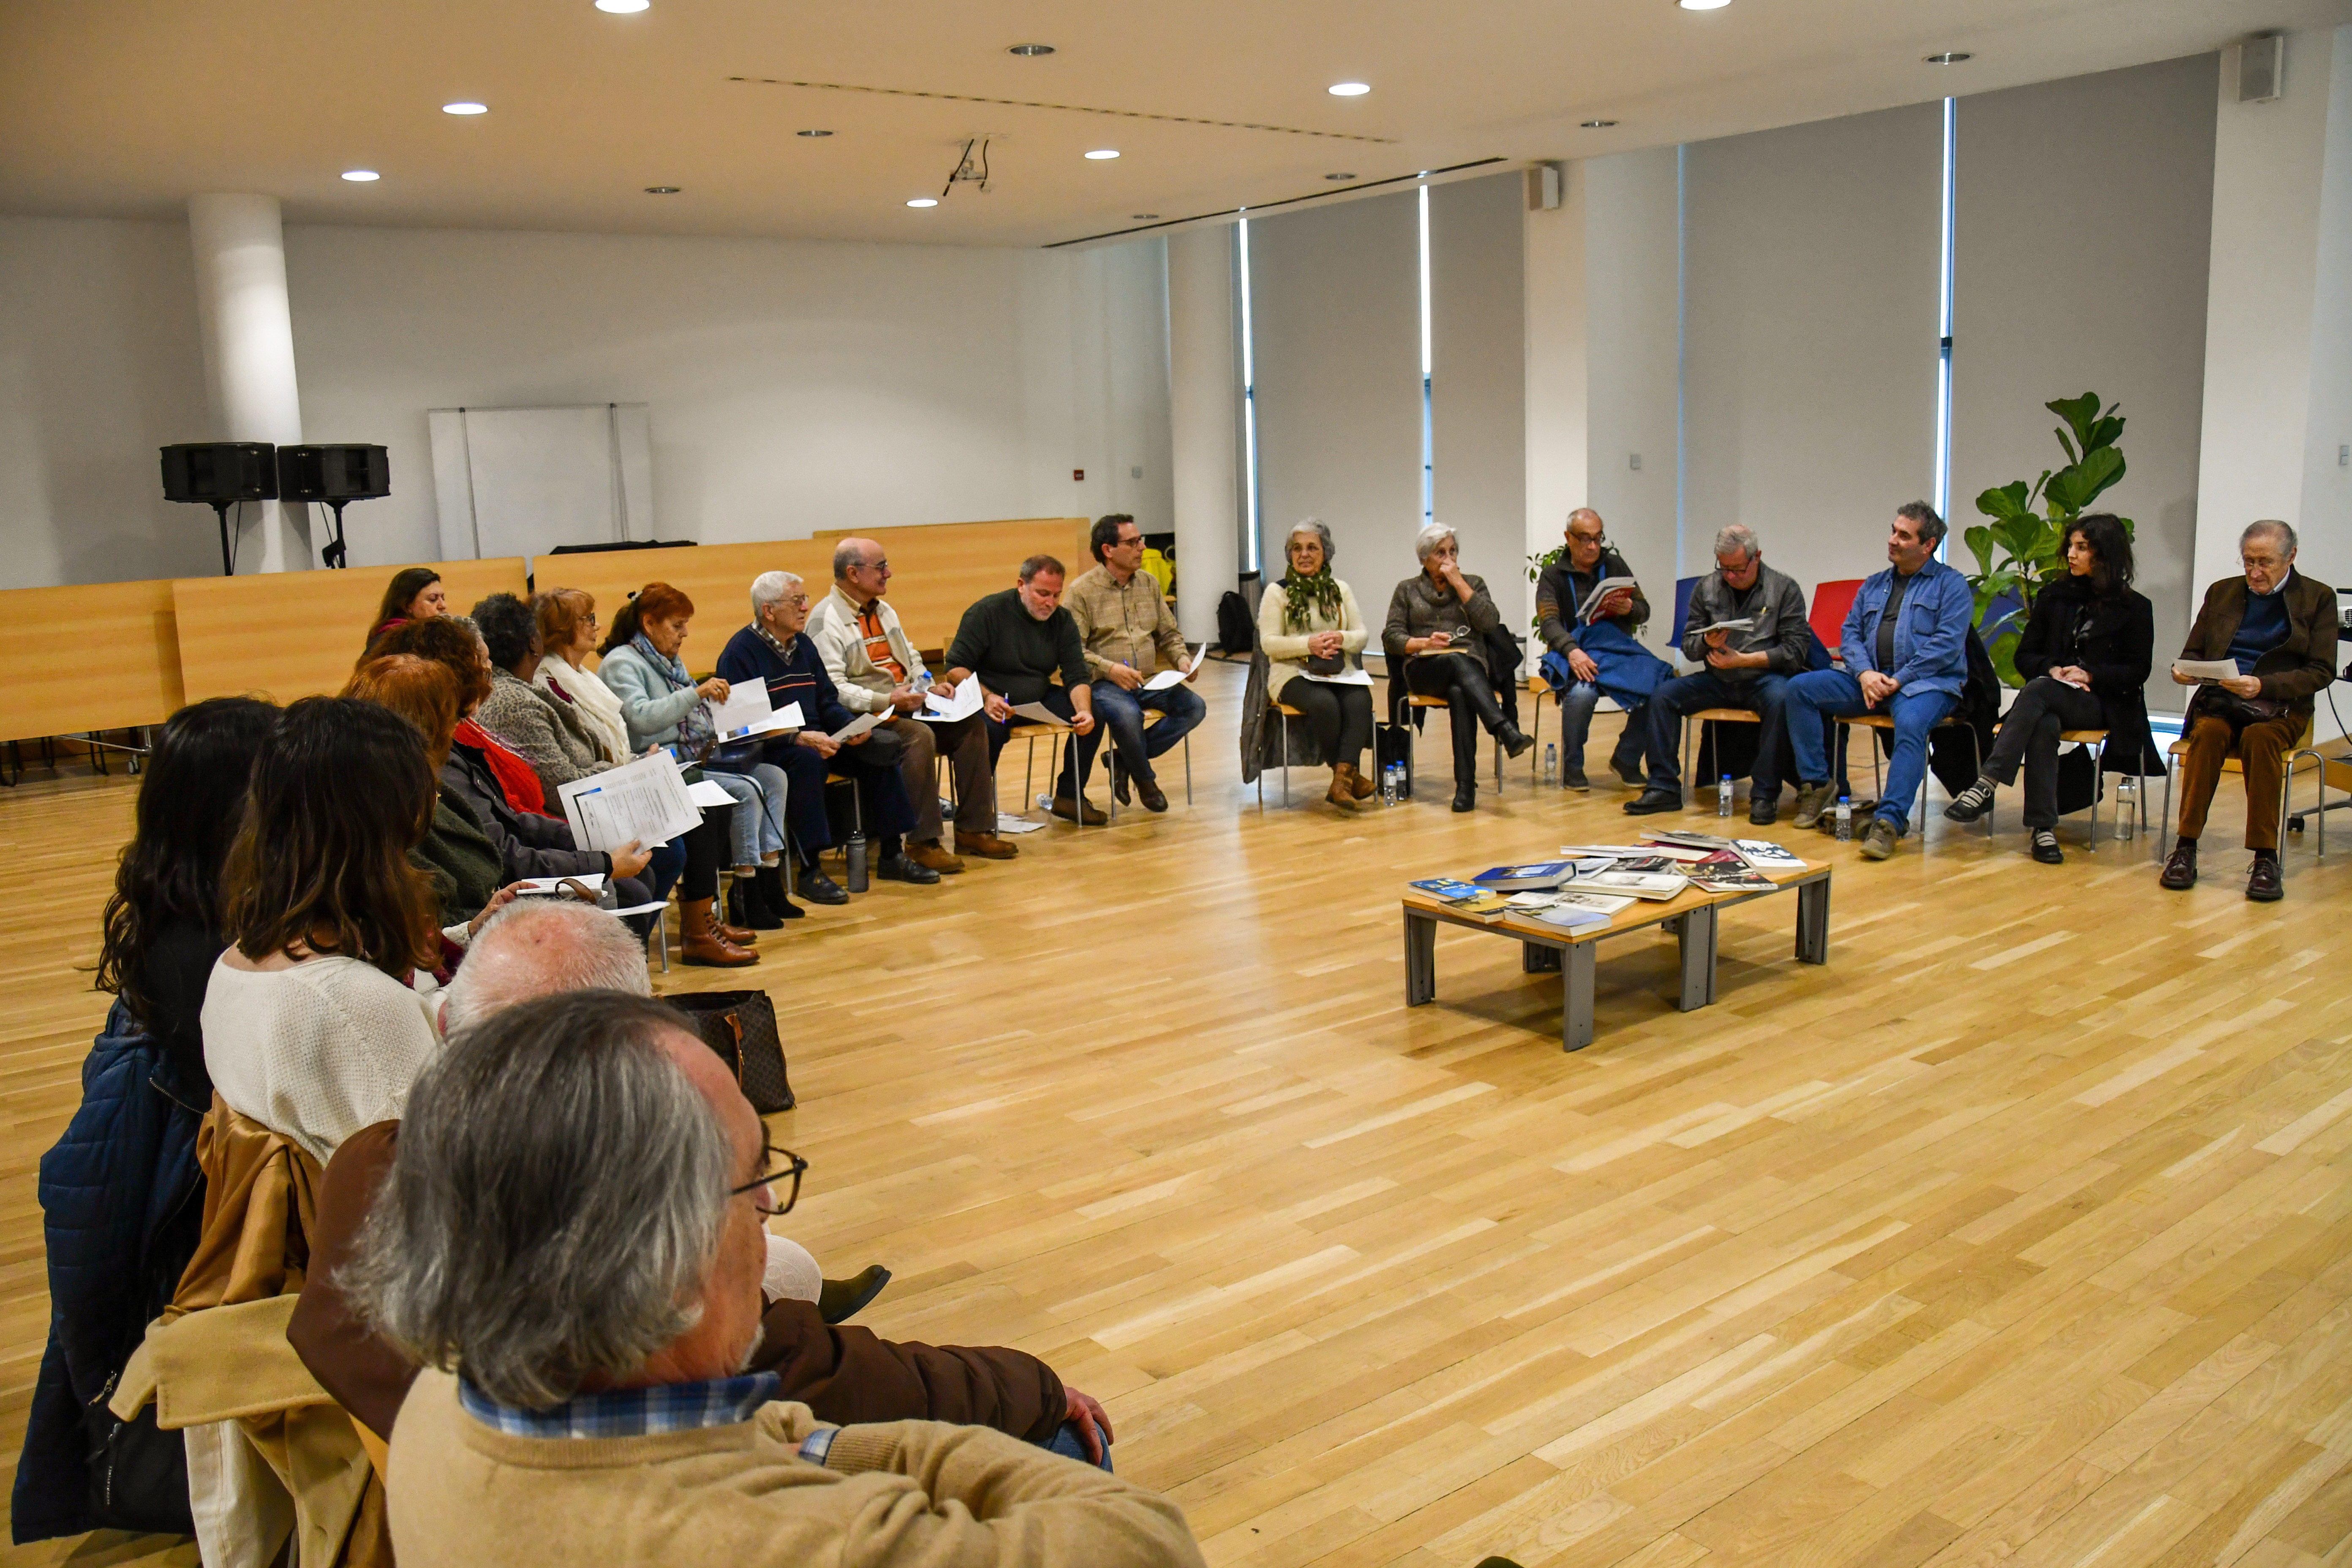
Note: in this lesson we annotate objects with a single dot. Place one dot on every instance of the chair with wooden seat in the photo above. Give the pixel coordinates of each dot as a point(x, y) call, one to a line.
point(1706, 716)
point(1886, 722)
point(2179, 748)
point(1288, 713)
point(1152, 716)
point(1415, 700)
point(1029, 732)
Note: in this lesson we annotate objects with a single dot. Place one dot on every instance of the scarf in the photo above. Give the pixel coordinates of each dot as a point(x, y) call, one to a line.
point(518, 780)
point(694, 731)
point(1306, 598)
point(590, 699)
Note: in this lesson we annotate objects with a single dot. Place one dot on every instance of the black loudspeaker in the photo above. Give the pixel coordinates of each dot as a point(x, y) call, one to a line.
point(217, 471)
point(334, 474)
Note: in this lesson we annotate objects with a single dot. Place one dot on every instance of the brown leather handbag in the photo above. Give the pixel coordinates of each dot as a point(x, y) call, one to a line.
point(740, 1026)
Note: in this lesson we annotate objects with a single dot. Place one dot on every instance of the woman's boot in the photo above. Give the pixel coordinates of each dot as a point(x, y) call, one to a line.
point(1343, 784)
point(727, 919)
point(770, 884)
point(749, 895)
point(702, 943)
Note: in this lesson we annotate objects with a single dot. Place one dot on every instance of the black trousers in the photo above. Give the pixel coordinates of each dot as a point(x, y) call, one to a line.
point(706, 848)
point(1461, 681)
point(1341, 716)
point(2029, 733)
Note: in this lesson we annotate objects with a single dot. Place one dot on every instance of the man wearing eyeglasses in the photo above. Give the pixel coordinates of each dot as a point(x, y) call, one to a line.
point(1594, 647)
point(569, 1244)
point(2277, 626)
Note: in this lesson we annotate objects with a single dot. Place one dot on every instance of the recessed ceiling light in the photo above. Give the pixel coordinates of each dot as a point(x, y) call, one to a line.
point(924, 202)
point(1599, 124)
point(1338, 176)
point(1143, 217)
point(361, 176)
point(1349, 89)
point(623, 7)
point(811, 132)
point(465, 107)
point(1951, 58)
point(1030, 51)
point(1701, 4)
point(1103, 154)
point(661, 189)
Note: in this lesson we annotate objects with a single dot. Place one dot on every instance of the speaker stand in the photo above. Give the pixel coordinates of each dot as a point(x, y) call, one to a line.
point(332, 552)
point(229, 552)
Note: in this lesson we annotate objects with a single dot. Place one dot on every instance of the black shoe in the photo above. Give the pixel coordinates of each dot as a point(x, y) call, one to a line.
point(1515, 743)
point(901, 867)
point(2180, 867)
point(770, 882)
point(1118, 789)
point(1633, 774)
point(2262, 883)
point(1573, 778)
point(1650, 802)
point(1465, 797)
point(819, 888)
point(1153, 800)
point(1972, 803)
point(2045, 845)
point(838, 1300)
point(1764, 810)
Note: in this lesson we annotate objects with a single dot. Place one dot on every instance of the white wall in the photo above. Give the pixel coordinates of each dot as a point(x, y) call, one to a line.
point(2326, 522)
point(1478, 382)
point(793, 386)
point(1203, 399)
point(1559, 417)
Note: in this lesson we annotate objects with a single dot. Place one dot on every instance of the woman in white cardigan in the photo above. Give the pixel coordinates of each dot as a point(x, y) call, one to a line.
point(1307, 624)
point(317, 1017)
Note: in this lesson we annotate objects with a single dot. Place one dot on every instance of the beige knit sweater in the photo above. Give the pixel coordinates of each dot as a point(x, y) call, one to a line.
point(904, 1494)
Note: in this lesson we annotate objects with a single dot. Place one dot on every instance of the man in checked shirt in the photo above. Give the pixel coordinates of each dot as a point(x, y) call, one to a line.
point(1130, 634)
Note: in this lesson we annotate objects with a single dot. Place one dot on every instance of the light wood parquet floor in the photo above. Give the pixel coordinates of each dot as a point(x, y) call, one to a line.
point(2021, 1233)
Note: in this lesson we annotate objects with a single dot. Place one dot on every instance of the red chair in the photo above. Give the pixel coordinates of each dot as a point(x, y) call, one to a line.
point(1832, 603)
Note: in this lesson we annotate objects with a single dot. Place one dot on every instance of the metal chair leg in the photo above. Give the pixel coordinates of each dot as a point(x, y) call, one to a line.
point(2164, 825)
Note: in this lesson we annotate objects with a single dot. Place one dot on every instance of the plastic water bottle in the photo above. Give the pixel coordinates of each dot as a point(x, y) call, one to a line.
point(1723, 796)
point(1551, 762)
point(1845, 819)
point(1388, 785)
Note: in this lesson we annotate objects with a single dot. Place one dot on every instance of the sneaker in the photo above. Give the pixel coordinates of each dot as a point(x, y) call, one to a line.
point(1764, 810)
point(2180, 867)
point(1631, 772)
point(901, 868)
point(1573, 778)
point(1650, 802)
point(2263, 883)
point(2045, 845)
point(1813, 802)
point(1972, 803)
point(1878, 839)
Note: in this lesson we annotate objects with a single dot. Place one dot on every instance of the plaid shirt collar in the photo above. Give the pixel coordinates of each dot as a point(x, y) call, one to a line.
point(629, 1412)
point(782, 647)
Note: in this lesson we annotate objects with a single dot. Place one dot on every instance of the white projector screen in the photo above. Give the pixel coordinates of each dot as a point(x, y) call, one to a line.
point(521, 482)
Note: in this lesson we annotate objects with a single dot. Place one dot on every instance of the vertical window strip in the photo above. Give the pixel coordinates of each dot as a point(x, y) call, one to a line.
point(1428, 404)
point(1944, 332)
point(1250, 553)
point(1682, 353)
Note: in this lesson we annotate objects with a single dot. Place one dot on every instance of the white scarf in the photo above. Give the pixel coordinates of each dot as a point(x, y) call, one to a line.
point(592, 700)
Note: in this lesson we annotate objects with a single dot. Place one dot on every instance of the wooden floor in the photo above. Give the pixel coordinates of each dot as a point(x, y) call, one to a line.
point(2021, 1233)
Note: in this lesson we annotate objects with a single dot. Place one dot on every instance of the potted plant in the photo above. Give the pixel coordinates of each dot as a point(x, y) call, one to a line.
point(2022, 548)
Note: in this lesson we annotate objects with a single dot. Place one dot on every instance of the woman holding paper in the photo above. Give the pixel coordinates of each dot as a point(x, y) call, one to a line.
point(2086, 655)
point(1314, 638)
point(664, 706)
point(1435, 638)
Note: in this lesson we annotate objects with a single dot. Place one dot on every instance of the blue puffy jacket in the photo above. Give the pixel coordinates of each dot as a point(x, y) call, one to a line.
point(122, 1203)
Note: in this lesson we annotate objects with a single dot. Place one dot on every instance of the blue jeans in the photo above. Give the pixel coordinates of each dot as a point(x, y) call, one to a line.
point(1121, 711)
point(760, 794)
point(1576, 705)
point(1763, 695)
point(1070, 1445)
point(1819, 694)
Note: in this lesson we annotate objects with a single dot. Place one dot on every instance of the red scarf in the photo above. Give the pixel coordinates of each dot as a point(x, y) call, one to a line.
point(517, 780)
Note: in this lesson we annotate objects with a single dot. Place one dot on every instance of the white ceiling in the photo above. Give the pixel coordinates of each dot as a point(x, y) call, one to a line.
point(125, 107)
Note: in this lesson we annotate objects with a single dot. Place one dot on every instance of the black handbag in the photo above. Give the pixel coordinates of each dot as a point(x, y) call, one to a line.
point(740, 1027)
point(1326, 663)
point(2080, 783)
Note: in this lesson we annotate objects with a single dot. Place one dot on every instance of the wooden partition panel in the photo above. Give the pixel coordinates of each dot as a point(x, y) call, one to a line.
point(937, 569)
point(717, 577)
point(284, 634)
point(102, 656)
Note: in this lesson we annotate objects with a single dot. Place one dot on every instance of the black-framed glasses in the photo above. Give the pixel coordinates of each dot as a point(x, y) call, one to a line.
point(792, 1170)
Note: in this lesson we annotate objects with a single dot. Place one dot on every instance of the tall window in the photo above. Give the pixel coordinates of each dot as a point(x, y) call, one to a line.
point(1428, 407)
point(1944, 334)
point(1249, 554)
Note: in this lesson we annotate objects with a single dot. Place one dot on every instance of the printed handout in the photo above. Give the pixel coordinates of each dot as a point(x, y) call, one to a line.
point(745, 705)
point(645, 801)
point(1168, 678)
point(967, 698)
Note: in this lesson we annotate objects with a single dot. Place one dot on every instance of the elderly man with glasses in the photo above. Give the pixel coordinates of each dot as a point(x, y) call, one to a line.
point(1592, 651)
point(571, 1242)
point(2277, 628)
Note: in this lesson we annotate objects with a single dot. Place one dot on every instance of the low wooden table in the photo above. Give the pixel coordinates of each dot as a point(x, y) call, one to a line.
point(1547, 948)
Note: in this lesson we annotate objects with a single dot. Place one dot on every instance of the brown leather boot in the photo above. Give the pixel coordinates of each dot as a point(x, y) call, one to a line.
point(1343, 784)
point(1361, 783)
point(701, 942)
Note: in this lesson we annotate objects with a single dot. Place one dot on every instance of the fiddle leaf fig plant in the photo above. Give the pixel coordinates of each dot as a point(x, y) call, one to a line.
point(2023, 545)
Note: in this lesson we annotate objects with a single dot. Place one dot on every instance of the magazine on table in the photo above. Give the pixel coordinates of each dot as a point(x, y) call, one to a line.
point(1725, 872)
point(1539, 874)
point(1656, 886)
point(1582, 909)
point(1464, 898)
point(1766, 856)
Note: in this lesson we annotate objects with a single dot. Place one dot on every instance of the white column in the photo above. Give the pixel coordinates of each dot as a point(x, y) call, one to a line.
point(1558, 455)
point(1203, 406)
point(248, 337)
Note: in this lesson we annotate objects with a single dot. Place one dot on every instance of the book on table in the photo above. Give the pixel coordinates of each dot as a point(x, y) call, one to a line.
point(1725, 872)
point(1540, 874)
point(1766, 856)
point(1685, 837)
point(1464, 898)
point(1580, 908)
point(1656, 886)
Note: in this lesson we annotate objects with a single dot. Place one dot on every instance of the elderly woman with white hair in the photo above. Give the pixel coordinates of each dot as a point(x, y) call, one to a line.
point(1313, 637)
point(776, 650)
point(1436, 637)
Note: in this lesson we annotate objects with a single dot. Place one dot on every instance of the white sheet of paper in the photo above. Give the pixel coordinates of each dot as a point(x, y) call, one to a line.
point(638, 910)
point(747, 703)
point(706, 794)
point(963, 705)
point(858, 726)
point(1038, 712)
point(646, 800)
point(2207, 669)
point(788, 717)
point(1009, 824)
point(1168, 678)
point(591, 880)
point(1345, 678)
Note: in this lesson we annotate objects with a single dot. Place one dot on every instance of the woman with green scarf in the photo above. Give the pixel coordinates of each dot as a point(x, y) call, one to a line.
point(1314, 643)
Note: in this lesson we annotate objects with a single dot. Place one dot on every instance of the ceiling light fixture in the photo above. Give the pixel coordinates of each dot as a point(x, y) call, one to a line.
point(465, 107)
point(1349, 89)
point(1598, 124)
point(361, 176)
point(623, 7)
point(811, 132)
point(1951, 58)
point(1030, 51)
point(1701, 4)
point(1103, 154)
point(661, 189)
point(924, 202)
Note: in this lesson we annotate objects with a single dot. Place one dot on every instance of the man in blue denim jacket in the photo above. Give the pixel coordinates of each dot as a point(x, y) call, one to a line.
point(1905, 650)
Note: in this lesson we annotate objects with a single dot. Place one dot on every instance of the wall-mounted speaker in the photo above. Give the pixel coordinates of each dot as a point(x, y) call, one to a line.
point(2261, 69)
point(333, 473)
point(214, 472)
point(1546, 187)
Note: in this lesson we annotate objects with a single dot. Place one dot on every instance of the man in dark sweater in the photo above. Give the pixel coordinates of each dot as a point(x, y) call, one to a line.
point(1016, 642)
point(1566, 618)
point(1748, 668)
point(2278, 628)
